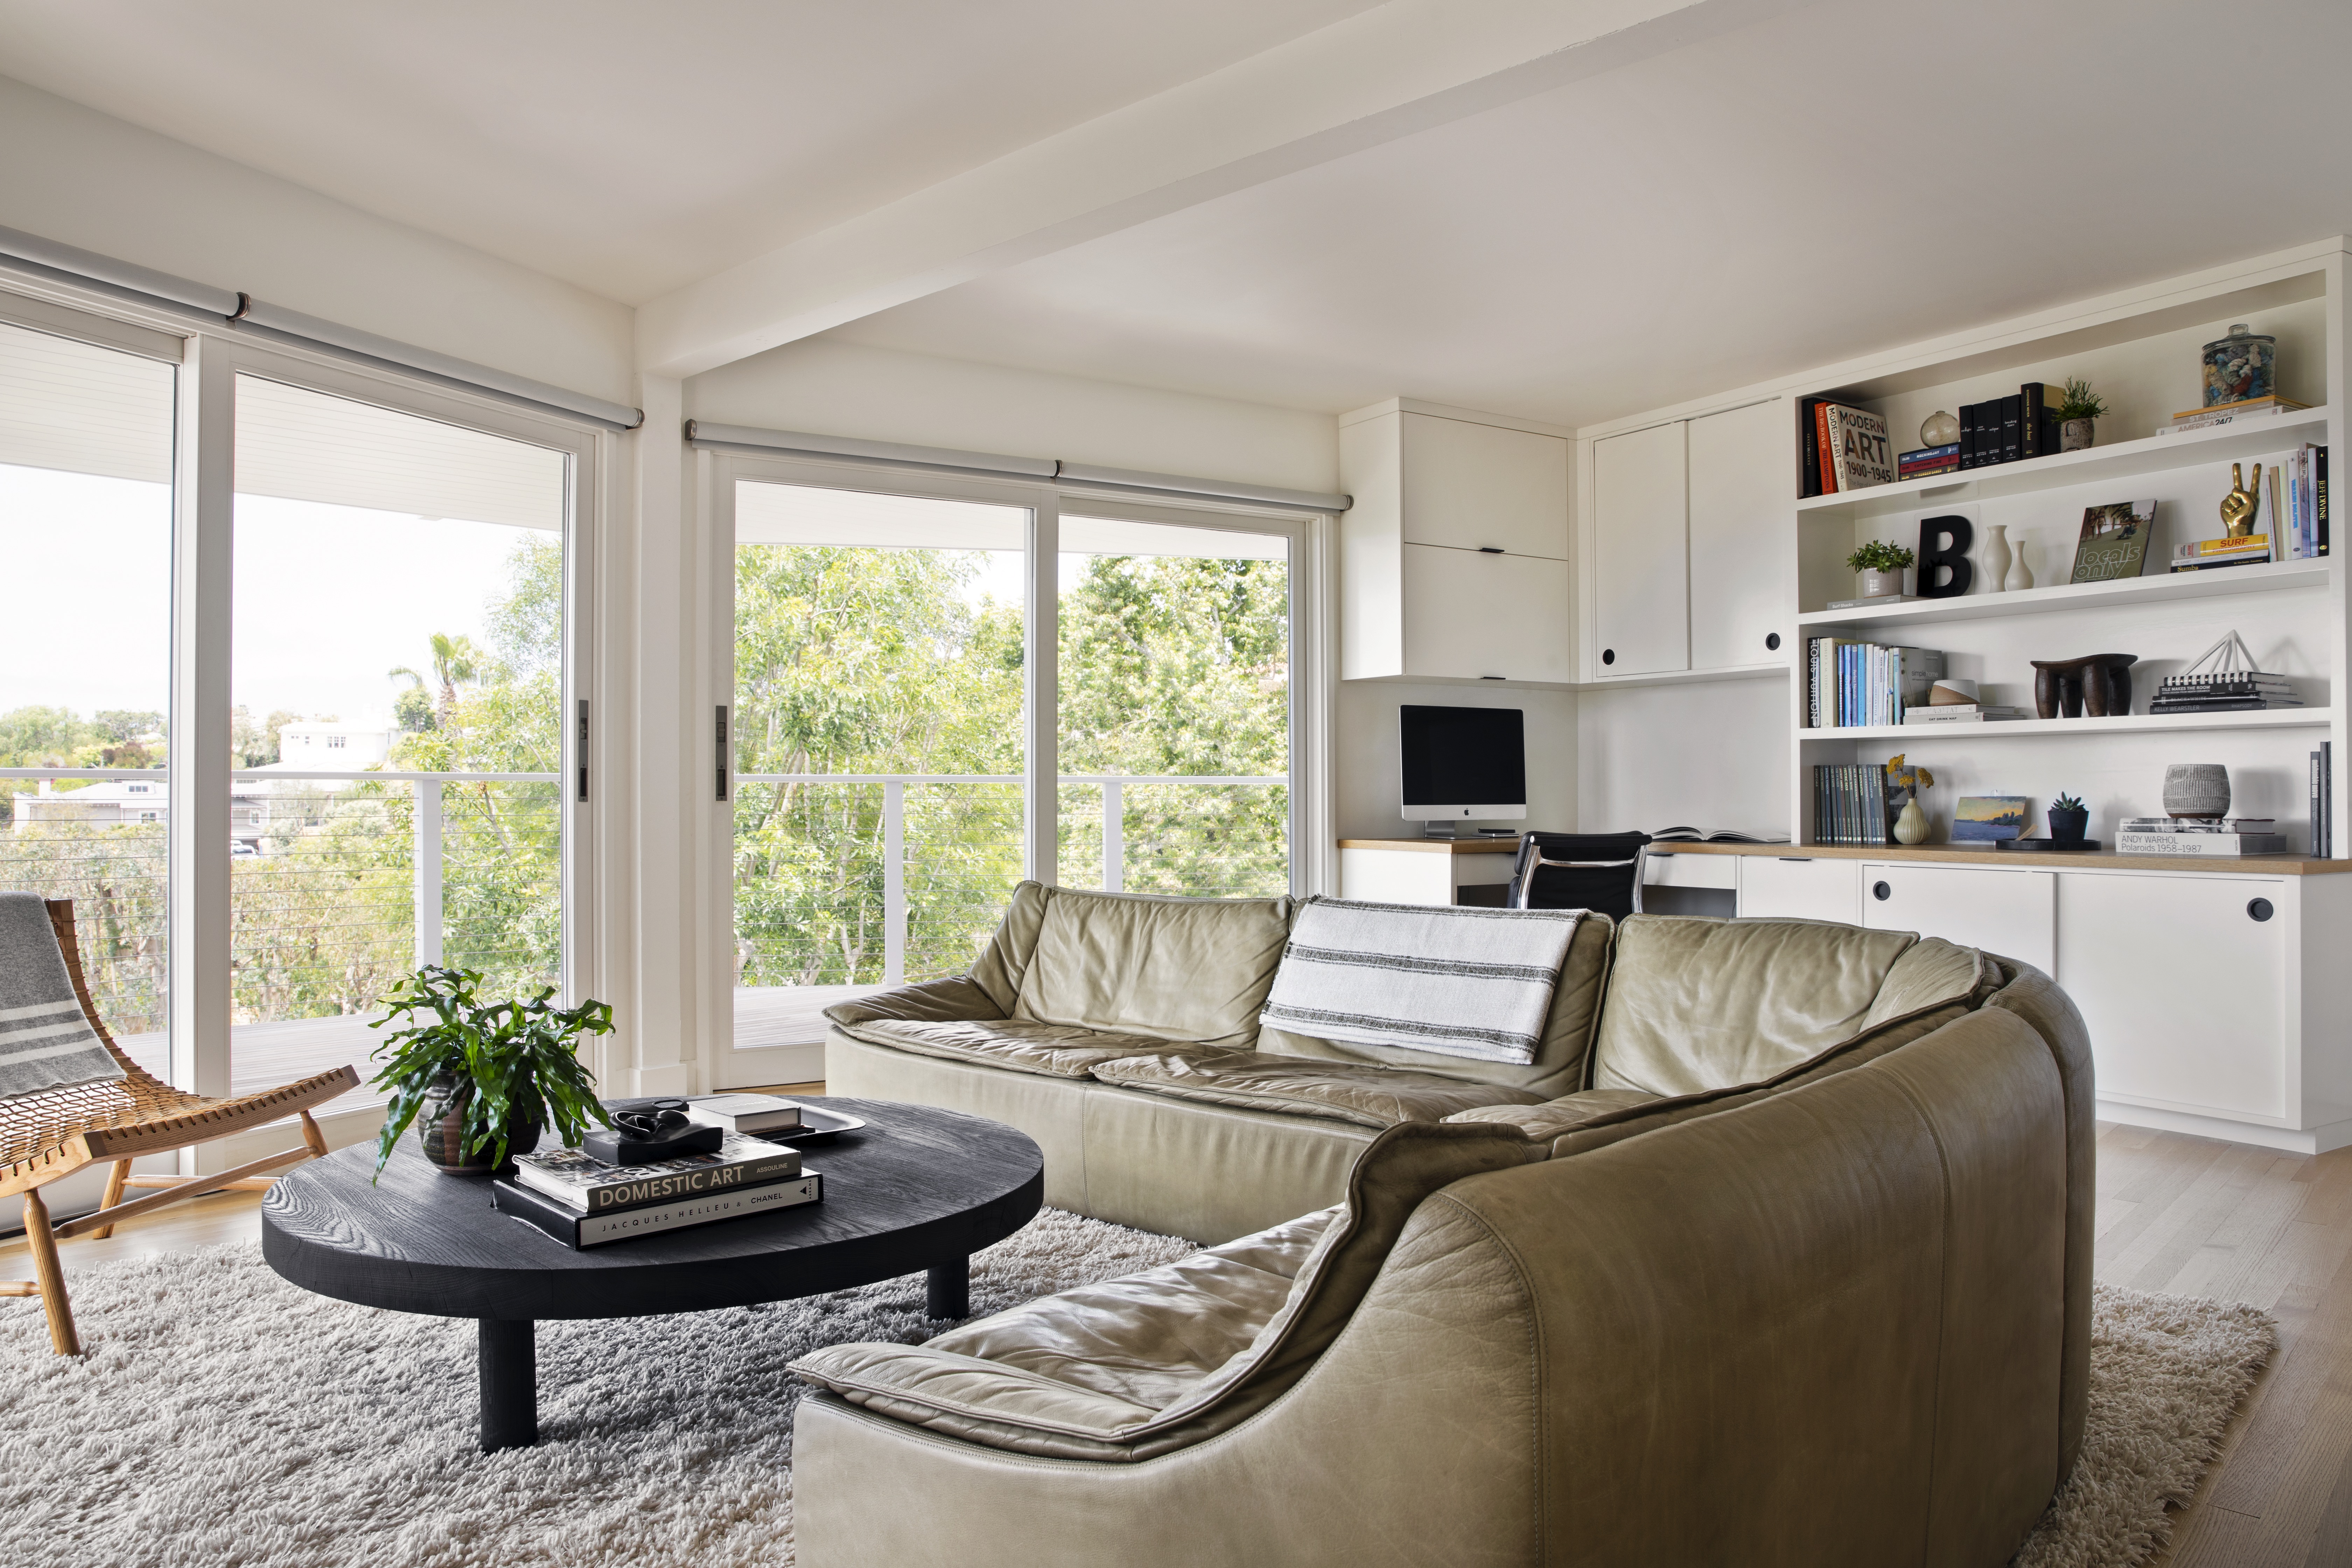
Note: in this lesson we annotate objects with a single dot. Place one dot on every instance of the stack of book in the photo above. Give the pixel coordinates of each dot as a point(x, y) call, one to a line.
point(1843, 448)
point(2206, 837)
point(583, 1201)
point(2227, 691)
point(1926, 462)
point(2298, 501)
point(1963, 713)
point(2213, 554)
point(1851, 805)
point(750, 1114)
point(1850, 683)
point(2244, 411)
point(2010, 429)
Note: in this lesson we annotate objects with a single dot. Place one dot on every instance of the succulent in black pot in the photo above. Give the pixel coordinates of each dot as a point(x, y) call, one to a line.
point(483, 1078)
point(2069, 819)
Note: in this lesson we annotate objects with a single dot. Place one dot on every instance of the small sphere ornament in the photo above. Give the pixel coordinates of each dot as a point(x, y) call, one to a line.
point(1939, 429)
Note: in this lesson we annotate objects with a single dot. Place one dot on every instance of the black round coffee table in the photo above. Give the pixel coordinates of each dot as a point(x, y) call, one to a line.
point(916, 1188)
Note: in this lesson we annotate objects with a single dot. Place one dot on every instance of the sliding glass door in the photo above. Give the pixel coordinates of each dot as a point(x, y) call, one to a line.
point(86, 751)
point(886, 687)
point(397, 733)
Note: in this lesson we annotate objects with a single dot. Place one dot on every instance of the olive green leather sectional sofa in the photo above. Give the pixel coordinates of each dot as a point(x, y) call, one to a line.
point(1779, 1252)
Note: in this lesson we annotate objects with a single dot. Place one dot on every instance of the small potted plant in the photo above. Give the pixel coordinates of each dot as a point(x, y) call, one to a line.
point(479, 1077)
point(2069, 820)
point(1881, 565)
point(2078, 414)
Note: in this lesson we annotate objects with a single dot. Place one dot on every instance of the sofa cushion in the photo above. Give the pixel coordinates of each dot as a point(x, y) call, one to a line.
point(1140, 1382)
point(1191, 970)
point(1559, 1060)
point(1056, 1050)
point(1699, 1004)
point(1348, 1091)
point(1554, 1117)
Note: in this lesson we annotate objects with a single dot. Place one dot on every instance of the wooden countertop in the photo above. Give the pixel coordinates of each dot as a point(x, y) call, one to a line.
point(2101, 859)
point(1439, 845)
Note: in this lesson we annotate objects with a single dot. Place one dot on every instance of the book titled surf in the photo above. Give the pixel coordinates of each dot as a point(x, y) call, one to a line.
point(588, 1186)
point(580, 1231)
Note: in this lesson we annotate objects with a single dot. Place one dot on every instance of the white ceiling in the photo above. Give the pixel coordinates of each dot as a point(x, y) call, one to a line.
point(1793, 185)
point(1845, 178)
point(630, 148)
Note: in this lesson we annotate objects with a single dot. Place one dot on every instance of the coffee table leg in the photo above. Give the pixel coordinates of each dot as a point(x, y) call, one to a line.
point(510, 1364)
point(950, 1291)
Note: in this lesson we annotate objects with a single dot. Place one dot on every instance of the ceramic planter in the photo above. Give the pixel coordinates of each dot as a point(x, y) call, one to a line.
point(440, 1129)
point(2075, 435)
point(2069, 826)
point(2197, 789)
point(1878, 585)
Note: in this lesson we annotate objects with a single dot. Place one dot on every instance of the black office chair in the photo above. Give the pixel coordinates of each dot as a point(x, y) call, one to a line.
point(1598, 871)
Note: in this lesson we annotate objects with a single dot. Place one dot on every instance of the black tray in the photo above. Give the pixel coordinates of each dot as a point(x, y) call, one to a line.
point(2048, 846)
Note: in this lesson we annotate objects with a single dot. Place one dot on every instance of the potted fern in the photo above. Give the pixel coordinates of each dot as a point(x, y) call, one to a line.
point(480, 1079)
point(2078, 412)
point(1881, 565)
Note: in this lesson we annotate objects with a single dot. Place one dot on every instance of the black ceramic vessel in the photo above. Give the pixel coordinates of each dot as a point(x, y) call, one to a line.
point(2066, 827)
point(441, 1131)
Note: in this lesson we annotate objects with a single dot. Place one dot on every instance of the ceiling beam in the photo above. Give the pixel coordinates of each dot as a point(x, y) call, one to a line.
point(1387, 73)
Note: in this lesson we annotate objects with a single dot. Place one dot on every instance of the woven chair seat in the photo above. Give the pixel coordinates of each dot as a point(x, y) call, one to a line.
point(45, 1135)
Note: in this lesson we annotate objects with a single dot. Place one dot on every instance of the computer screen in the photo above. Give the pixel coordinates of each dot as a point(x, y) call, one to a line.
point(1462, 763)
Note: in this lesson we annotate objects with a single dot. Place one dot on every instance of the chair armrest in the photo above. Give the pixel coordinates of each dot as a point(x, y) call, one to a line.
point(934, 1001)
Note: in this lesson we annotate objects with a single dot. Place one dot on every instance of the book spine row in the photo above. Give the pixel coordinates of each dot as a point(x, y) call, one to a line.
point(2323, 796)
point(1850, 804)
point(1849, 684)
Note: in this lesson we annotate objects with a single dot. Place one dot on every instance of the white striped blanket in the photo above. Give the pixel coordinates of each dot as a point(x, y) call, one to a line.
point(1474, 982)
point(45, 1040)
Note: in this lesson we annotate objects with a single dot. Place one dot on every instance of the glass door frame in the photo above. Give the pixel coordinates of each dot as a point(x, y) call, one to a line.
point(199, 761)
point(1313, 572)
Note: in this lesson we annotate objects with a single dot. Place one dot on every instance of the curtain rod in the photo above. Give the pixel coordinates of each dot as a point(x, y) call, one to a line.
point(243, 312)
point(998, 466)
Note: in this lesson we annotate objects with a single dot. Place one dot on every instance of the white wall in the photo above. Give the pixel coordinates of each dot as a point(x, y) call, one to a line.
point(83, 178)
point(1364, 761)
point(1713, 754)
point(882, 395)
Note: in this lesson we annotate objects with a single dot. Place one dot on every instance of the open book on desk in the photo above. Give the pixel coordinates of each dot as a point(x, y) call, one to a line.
point(1720, 835)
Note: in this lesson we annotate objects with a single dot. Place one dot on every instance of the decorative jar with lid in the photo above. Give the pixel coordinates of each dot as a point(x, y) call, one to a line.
point(2243, 365)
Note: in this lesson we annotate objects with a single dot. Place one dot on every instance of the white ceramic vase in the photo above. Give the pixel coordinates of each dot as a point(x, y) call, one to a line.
point(1912, 825)
point(1995, 558)
point(2020, 576)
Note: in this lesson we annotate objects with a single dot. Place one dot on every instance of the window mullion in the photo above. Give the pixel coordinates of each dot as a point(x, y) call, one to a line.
point(1043, 623)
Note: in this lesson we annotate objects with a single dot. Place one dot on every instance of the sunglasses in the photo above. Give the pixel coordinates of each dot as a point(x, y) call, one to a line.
point(660, 1119)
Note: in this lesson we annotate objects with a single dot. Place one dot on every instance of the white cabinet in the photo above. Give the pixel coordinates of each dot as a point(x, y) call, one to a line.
point(1779, 887)
point(1641, 558)
point(1740, 541)
point(2013, 913)
point(1453, 557)
point(2183, 989)
point(1481, 487)
point(1479, 616)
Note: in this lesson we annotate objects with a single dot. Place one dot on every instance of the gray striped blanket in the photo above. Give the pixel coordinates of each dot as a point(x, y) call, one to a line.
point(1474, 982)
point(45, 1040)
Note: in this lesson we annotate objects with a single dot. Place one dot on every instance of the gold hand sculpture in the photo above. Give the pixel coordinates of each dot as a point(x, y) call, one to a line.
point(2238, 506)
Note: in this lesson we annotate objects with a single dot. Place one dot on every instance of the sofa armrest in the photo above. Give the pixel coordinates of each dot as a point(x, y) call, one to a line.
point(934, 1001)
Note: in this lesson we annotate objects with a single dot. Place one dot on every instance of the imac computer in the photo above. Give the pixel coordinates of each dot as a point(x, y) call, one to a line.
point(1462, 763)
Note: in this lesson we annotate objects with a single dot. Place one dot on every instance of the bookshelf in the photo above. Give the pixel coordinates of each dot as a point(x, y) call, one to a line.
point(2237, 580)
point(2083, 728)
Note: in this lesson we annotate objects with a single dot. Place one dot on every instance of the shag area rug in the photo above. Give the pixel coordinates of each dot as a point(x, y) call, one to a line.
point(223, 1419)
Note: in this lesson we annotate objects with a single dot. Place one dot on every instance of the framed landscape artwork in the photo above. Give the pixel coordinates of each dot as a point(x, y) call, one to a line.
point(1989, 818)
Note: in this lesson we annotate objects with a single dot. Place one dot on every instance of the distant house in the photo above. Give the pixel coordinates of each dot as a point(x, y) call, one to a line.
point(119, 802)
point(331, 748)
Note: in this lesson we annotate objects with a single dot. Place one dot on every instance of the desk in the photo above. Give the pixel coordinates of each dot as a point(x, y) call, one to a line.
point(1427, 871)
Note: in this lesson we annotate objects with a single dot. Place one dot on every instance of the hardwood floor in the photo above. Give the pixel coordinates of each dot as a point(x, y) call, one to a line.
point(2188, 1216)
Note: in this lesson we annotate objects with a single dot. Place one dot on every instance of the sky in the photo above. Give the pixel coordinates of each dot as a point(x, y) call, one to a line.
point(328, 598)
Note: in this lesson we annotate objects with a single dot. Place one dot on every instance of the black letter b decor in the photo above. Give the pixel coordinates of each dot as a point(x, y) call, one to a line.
point(1944, 543)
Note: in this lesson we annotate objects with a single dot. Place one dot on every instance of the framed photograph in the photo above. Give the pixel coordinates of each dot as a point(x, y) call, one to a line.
point(2114, 541)
point(1989, 818)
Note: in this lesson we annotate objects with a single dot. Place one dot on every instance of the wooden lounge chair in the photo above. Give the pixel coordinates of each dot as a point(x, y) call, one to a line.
point(53, 1133)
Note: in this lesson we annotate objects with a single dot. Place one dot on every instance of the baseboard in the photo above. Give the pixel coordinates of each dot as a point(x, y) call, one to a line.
point(2292, 1140)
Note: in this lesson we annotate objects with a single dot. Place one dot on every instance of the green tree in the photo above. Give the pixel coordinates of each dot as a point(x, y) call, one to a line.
point(456, 661)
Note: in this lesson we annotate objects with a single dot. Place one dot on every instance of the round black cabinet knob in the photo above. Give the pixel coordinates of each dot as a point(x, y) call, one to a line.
point(2258, 908)
point(1607, 656)
point(1881, 891)
point(1772, 641)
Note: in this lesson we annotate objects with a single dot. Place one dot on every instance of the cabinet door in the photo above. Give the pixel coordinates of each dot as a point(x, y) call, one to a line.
point(1739, 538)
point(1640, 586)
point(1473, 615)
point(1774, 887)
point(2183, 990)
point(1474, 487)
point(2013, 913)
